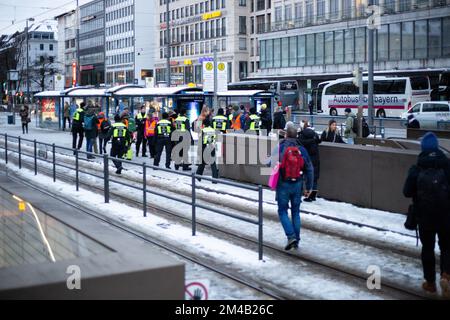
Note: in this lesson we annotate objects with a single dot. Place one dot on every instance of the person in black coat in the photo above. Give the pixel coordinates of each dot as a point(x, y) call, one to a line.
point(266, 118)
point(413, 123)
point(428, 184)
point(331, 134)
point(309, 139)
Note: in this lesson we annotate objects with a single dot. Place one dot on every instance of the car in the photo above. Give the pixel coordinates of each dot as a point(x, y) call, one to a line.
point(429, 113)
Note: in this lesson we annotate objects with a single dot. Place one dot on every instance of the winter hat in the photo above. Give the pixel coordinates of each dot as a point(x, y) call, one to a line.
point(263, 106)
point(430, 142)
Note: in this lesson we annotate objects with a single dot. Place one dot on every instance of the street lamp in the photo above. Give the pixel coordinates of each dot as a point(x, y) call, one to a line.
point(28, 81)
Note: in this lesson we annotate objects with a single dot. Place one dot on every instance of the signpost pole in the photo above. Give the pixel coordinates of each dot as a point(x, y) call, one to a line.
point(215, 102)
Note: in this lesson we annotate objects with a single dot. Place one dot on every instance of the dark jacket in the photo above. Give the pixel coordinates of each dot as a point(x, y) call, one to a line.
point(24, 115)
point(308, 170)
point(329, 136)
point(438, 214)
point(91, 133)
point(140, 123)
point(414, 124)
point(309, 139)
point(279, 122)
point(266, 119)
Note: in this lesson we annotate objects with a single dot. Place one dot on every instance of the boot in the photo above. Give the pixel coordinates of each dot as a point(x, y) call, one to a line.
point(313, 195)
point(445, 285)
point(429, 287)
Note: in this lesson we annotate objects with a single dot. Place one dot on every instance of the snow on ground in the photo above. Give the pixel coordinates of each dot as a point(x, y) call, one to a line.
point(295, 277)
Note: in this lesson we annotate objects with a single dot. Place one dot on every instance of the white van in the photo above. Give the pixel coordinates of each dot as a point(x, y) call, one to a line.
point(428, 113)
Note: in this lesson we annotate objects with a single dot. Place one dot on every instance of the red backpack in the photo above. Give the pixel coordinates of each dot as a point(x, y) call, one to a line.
point(292, 164)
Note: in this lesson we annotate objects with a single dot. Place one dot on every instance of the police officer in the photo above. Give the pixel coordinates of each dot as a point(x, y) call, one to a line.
point(182, 124)
point(220, 121)
point(77, 127)
point(140, 126)
point(208, 138)
point(253, 122)
point(163, 139)
point(120, 139)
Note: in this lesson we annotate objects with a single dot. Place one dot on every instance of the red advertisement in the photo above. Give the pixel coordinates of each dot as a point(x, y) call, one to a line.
point(48, 109)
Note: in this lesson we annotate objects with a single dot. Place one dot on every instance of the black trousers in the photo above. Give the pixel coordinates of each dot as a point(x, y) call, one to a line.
point(117, 151)
point(141, 140)
point(24, 127)
point(201, 167)
point(152, 146)
point(77, 133)
point(180, 161)
point(102, 144)
point(428, 239)
point(64, 122)
point(162, 143)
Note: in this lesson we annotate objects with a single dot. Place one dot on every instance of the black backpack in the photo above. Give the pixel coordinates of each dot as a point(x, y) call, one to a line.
point(365, 127)
point(432, 187)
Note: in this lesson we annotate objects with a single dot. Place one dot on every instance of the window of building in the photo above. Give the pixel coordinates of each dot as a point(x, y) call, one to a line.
point(360, 44)
point(242, 3)
point(301, 50)
point(242, 25)
point(407, 40)
point(394, 41)
point(310, 49)
point(292, 51)
point(269, 53)
point(434, 38)
point(278, 14)
point(252, 25)
point(242, 43)
point(320, 9)
point(224, 44)
point(319, 48)
point(298, 11)
point(260, 5)
point(349, 38)
point(285, 52)
point(421, 40)
point(339, 46)
point(309, 11)
point(277, 53)
point(446, 37)
point(329, 54)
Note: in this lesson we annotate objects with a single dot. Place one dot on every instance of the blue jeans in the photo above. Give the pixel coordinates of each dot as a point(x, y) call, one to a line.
point(290, 192)
point(89, 144)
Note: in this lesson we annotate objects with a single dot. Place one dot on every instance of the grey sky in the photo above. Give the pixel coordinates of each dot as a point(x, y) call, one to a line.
point(20, 10)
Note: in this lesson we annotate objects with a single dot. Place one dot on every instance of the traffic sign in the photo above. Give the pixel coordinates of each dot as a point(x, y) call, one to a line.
point(197, 290)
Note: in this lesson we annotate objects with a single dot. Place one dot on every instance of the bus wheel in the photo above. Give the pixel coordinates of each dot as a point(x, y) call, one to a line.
point(381, 114)
point(333, 112)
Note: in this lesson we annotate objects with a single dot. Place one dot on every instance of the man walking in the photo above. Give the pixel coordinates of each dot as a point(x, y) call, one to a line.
point(77, 127)
point(349, 132)
point(120, 139)
point(163, 139)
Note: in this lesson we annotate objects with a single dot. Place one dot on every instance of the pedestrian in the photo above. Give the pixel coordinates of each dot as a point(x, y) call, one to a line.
point(103, 128)
point(150, 131)
point(295, 170)
point(140, 127)
point(66, 115)
point(183, 126)
point(311, 107)
point(77, 127)
point(208, 156)
point(204, 114)
point(331, 134)
point(120, 138)
point(25, 118)
point(310, 140)
point(266, 118)
point(164, 131)
point(428, 184)
point(349, 132)
point(413, 123)
point(253, 122)
point(237, 120)
point(90, 131)
point(220, 122)
point(279, 121)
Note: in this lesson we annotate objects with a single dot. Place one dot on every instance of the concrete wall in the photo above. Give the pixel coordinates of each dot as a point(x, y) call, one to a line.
point(366, 176)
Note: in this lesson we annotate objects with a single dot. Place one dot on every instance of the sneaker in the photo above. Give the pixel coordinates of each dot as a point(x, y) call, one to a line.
point(186, 168)
point(445, 285)
point(290, 244)
point(177, 167)
point(119, 171)
point(295, 245)
point(429, 287)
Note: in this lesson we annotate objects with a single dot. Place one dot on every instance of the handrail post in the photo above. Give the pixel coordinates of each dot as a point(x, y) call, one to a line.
point(6, 148)
point(144, 188)
point(20, 152)
point(193, 205)
point(106, 177)
point(260, 222)
point(54, 162)
point(77, 178)
point(35, 157)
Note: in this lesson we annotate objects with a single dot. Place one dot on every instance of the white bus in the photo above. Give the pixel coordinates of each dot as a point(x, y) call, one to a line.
point(392, 95)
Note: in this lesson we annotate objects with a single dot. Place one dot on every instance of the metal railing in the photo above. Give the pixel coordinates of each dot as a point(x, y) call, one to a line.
point(42, 155)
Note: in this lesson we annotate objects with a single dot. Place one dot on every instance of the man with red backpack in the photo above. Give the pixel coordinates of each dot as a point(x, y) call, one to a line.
point(295, 167)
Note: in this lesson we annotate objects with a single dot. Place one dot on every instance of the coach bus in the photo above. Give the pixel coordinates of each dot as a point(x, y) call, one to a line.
point(392, 95)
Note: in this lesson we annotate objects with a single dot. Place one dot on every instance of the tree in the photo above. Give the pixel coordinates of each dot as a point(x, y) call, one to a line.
point(42, 69)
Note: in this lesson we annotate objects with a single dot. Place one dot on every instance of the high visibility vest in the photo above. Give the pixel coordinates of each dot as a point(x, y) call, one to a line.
point(150, 126)
point(119, 130)
point(76, 115)
point(140, 116)
point(180, 123)
point(209, 135)
point(164, 128)
point(230, 117)
point(99, 124)
point(236, 123)
point(254, 123)
point(220, 123)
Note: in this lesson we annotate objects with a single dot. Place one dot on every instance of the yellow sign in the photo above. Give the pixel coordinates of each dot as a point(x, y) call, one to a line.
point(21, 206)
point(209, 66)
point(221, 66)
point(191, 85)
point(188, 62)
point(211, 15)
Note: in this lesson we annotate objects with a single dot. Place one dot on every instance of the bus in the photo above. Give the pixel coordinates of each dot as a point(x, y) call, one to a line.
point(392, 95)
point(316, 96)
point(286, 91)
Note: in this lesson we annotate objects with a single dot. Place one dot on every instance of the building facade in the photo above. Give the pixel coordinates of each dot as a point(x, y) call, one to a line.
point(67, 45)
point(92, 43)
point(316, 38)
point(130, 42)
point(196, 28)
point(260, 20)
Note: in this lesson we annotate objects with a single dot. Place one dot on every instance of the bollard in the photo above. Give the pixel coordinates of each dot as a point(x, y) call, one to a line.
point(6, 148)
point(35, 157)
point(260, 222)
point(77, 180)
point(20, 153)
point(144, 188)
point(193, 205)
point(54, 162)
point(106, 177)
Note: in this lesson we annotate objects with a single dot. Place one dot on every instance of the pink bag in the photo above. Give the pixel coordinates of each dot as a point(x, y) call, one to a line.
point(273, 180)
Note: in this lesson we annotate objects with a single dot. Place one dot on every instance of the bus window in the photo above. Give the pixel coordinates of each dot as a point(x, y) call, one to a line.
point(398, 87)
point(342, 88)
point(419, 83)
point(288, 85)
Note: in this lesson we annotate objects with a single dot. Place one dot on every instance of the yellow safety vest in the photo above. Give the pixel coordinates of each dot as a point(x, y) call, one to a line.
point(164, 127)
point(76, 115)
point(254, 124)
point(220, 123)
point(140, 116)
point(180, 123)
point(120, 130)
point(209, 135)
